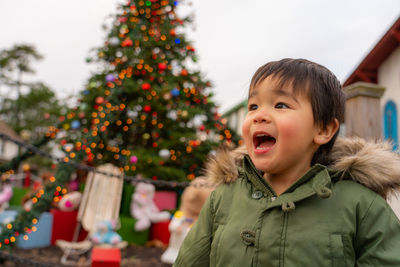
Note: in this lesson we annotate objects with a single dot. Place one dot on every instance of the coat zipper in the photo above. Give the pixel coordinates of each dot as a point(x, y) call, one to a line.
point(283, 240)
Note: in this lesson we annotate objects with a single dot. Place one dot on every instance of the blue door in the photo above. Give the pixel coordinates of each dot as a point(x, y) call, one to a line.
point(390, 123)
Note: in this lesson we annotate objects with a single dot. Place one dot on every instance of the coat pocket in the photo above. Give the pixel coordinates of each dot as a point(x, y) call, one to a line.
point(216, 245)
point(341, 250)
point(337, 250)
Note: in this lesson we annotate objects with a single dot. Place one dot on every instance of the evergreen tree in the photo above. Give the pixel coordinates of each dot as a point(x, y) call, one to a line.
point(146, 110)
point(14, 63)
point(39, 109)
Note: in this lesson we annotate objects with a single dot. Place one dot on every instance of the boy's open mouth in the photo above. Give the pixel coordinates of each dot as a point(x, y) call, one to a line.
point(263, 141)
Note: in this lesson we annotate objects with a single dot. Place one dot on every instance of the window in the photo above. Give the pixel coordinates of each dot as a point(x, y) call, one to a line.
point(390, 123)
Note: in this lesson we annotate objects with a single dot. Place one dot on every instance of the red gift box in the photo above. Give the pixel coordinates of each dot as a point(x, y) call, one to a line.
point(64, 223)
point(165, 200)
point(159, 231)
point(106, 257)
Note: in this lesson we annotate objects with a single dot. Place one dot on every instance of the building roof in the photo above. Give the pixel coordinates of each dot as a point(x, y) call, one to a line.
point(367, 70)
point(242, 104)
point(5, 129)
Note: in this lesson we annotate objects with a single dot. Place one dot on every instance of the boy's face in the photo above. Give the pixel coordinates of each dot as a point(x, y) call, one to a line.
point(279, 129)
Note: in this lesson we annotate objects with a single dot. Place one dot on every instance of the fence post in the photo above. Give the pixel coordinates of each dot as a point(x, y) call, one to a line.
point(363, 110)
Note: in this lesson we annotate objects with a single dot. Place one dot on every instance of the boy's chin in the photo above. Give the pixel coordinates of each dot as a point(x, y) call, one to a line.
point(260, 166)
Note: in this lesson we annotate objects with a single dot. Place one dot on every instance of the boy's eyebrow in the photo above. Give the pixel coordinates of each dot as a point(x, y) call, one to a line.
point(281, 92)
point(276, 91)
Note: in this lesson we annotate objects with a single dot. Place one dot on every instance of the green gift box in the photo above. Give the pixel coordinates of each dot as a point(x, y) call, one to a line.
point(128, 233)
point(127, 192)
point(18, 194)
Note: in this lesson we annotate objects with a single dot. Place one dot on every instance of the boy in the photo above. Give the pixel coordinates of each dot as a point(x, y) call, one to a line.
point(283, 206)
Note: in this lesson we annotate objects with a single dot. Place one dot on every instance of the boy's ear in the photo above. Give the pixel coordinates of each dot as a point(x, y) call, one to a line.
point(325, 134)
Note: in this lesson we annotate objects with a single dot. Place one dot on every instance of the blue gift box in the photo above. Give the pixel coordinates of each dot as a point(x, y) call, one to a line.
point(8, 216)
point(42, 236)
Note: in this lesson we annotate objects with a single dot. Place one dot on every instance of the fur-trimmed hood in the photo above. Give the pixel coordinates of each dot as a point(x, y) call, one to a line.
point(372, 164)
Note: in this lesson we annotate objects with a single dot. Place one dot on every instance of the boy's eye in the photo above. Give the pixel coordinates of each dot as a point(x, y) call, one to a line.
point(281, 105)
point(253, 107)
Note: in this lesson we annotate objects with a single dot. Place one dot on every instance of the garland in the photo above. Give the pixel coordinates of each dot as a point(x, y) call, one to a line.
point(25, 221)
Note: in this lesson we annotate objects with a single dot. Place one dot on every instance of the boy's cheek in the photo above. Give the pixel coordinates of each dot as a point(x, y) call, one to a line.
point(245, 131)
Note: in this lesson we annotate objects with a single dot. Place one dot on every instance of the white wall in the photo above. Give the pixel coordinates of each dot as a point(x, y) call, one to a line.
point(241, 116)
point(394, 202)
point(389, 77)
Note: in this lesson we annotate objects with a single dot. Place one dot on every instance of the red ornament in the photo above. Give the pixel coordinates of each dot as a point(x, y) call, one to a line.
point(147, 108)
point(146, 86)
point(126, 42)
point(122, 19)
point(99, 100)
point(184, 72)
point(172, 32)
point(202, 127)
point(162, 66)
point(190, 48)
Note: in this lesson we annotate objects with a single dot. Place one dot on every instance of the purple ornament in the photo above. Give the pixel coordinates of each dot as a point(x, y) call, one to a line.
point(110, 78)
point(133, 159)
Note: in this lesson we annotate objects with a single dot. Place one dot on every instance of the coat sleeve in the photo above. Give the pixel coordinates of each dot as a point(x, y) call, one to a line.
point(378, 236)
point(195, 249)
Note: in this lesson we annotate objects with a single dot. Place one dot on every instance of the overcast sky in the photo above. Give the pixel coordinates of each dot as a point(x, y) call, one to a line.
point(232, 38)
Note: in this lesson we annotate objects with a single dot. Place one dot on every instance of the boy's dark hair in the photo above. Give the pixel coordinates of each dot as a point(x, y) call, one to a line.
point(319, 84)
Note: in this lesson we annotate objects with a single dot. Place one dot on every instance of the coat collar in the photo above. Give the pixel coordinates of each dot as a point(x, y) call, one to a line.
point(315, 182)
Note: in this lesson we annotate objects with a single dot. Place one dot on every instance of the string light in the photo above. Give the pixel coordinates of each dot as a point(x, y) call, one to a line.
point(106, 107)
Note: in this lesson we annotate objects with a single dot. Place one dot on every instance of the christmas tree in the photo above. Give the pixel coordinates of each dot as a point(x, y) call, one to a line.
point(146, 111)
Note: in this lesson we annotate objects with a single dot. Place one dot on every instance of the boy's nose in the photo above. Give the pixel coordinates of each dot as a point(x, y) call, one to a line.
point(261, 117)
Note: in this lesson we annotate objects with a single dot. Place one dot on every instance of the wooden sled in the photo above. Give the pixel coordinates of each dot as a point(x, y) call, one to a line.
point(101, 201)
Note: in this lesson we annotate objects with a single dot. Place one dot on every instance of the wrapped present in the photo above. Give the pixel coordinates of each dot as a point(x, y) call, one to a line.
point(165, 200)
point(127, 192)
point(64, 224)
point(159, 231)
point(18, 195)
point(41, 237)
point(106, 257)
point(128, 233)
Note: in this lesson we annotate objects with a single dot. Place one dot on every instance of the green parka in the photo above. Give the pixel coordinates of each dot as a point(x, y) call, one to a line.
point(329, 217)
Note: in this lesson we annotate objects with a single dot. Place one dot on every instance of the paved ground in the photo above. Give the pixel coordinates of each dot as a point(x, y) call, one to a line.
point(132, 256)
